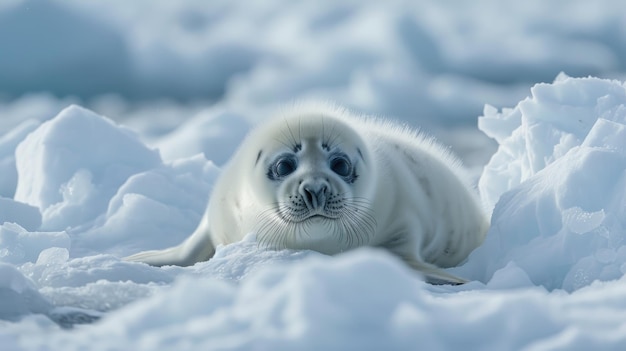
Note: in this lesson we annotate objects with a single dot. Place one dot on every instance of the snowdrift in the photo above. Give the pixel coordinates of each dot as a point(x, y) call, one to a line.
point(399, 58)
point(558, 184)
point(87, 191)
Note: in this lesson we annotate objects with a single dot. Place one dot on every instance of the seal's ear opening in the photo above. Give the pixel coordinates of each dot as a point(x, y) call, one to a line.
point(258, 157)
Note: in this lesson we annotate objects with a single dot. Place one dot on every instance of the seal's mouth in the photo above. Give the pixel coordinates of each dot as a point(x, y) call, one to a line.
point(317, 216)
point(299, 215)
point(327, 230)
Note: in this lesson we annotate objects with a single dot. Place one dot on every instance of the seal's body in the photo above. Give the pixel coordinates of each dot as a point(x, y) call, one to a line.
point(319, 178)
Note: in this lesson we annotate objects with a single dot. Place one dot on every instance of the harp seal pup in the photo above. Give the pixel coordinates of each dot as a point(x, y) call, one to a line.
point(318, 177)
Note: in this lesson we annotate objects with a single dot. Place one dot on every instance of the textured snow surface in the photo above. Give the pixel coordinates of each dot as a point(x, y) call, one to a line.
point(79, 190)
point(560, 177)
point(549, 275)
point(408, 59)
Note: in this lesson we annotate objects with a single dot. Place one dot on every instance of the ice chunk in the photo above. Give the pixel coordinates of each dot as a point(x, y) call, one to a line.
point(18, 295)
point(72, 165)
point(509, 277)
point(608, 135)
point(580, 222)
point(558, 183)
point(153, 209)
point(556, 118)
point(19, 246)
point(53, 255)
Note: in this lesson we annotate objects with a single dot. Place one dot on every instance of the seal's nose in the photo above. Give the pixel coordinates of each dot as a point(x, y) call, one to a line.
point(314, 194)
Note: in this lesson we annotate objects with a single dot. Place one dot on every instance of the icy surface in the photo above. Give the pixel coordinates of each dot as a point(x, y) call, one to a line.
point(81, 187)
point(549, 275)
point(71, 166)
point(560, 177)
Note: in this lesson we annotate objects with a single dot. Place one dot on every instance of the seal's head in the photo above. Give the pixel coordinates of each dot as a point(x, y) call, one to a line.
point(317, 173)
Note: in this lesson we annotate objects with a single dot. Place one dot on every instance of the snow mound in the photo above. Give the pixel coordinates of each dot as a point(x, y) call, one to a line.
point(82, 173)
point(216, 134)
point(550, 274)
point(153, 209)
point(544, 127)
point(299, 303)
point(71, 165)
point(362, 300)
point(560, 177)
point(18, 295)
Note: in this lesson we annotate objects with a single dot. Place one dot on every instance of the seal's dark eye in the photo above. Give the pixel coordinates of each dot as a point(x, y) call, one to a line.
point(285, 167)
point(341, 166)
point(282, 167)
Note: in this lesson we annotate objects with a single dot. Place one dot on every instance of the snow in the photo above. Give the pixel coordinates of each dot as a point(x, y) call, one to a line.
point(79, 190)
point(66, 172)
point(556, 250)
point(395, 58)
point(550, 200)
point(216, 134)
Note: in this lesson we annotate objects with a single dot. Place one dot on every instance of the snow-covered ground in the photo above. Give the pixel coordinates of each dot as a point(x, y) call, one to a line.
point(79, 190)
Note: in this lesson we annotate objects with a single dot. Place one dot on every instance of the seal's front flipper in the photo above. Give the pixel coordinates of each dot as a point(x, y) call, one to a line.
point(198, 247)
point(158, 258)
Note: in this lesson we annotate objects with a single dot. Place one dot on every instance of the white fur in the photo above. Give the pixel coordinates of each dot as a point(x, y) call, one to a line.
point(415, 199)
